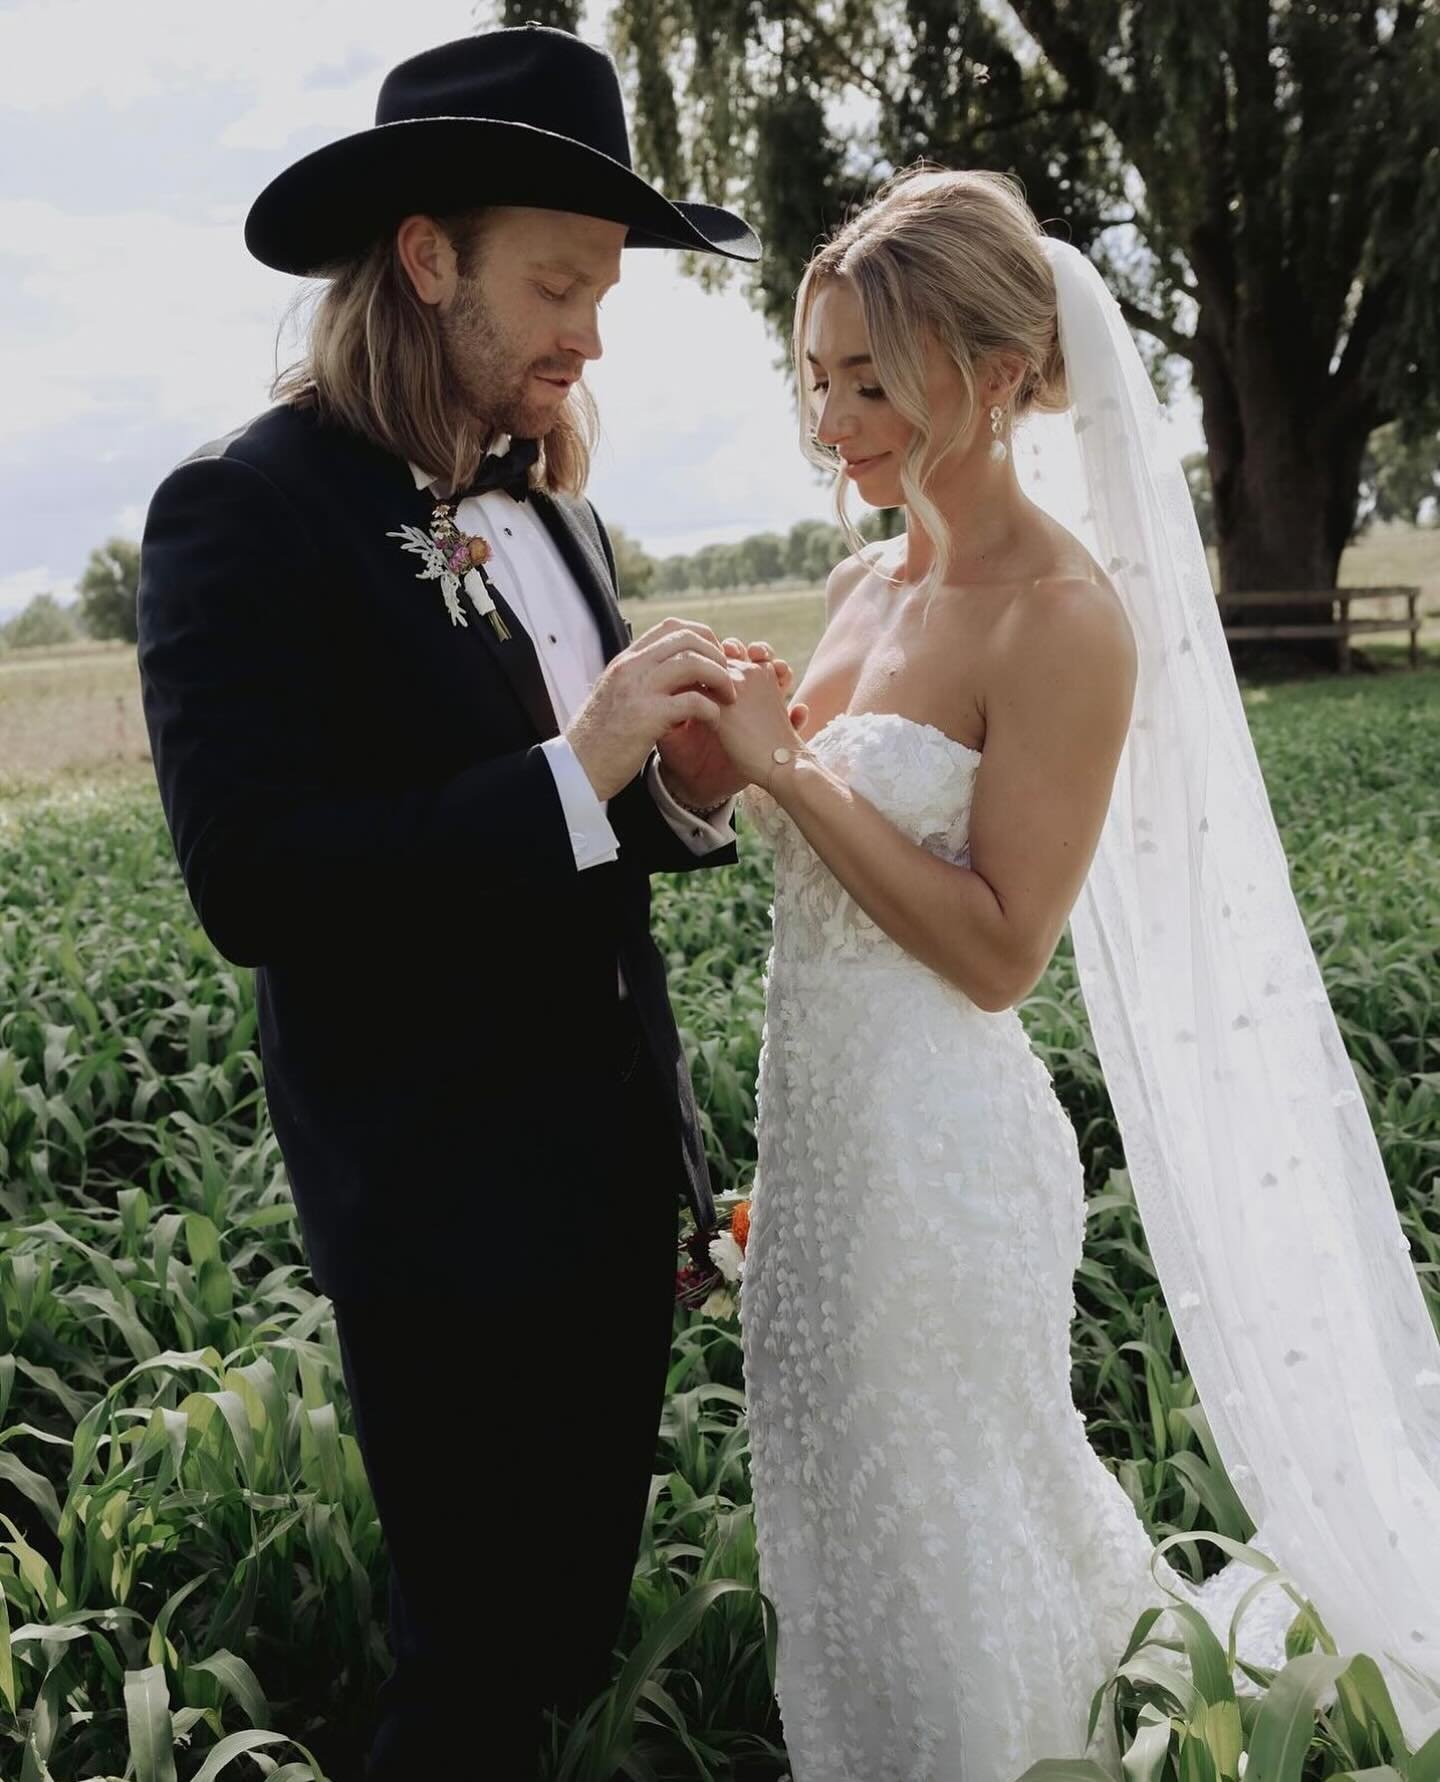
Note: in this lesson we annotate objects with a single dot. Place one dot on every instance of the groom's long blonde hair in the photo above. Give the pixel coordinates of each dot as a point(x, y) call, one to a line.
point(373, 361)
point(952, 256)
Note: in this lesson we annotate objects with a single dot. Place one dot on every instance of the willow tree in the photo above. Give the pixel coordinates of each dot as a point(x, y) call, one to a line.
point(562, 15)
point(1259, 181)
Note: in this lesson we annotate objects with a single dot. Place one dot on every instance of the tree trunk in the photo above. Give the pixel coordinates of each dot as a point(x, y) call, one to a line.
point(1285, 483)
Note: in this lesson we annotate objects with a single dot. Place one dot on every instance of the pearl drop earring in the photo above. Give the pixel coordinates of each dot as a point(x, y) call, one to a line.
point(999, 451)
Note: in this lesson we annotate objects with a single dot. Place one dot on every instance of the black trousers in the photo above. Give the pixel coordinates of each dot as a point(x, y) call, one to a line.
point(509, 1434)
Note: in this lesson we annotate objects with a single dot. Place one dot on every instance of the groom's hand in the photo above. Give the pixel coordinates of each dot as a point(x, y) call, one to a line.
point(675, 673)
point(696, 767)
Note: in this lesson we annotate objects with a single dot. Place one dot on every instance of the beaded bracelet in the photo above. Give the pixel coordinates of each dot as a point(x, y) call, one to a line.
point(701, 810)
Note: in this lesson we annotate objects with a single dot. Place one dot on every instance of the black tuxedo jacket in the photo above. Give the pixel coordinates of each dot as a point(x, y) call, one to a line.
point(361, 811)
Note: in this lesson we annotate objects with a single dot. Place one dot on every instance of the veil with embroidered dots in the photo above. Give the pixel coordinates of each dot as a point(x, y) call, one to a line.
point(1255, 1169)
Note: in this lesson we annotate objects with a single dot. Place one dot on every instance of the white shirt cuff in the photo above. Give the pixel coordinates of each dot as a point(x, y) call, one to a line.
point(591, 836)
point(702, 835)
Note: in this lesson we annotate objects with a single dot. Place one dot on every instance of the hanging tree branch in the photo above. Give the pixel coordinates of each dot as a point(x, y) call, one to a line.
point(1163, 331)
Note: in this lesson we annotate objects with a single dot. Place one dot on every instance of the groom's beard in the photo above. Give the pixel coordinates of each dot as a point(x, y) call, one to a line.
point(492, 378)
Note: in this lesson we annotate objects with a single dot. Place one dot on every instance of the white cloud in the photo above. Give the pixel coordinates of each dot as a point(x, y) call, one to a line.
point(135, 329)
point(142, 312)
point(134, 321)
point(700, 432)
point(284, 106)
point(135, 333)
point(57, 53)
point(697, 421)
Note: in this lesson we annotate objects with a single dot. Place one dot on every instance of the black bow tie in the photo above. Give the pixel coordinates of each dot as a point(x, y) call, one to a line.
point(509, 470)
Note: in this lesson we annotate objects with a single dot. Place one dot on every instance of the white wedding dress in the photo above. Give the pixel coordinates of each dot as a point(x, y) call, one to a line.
point(954, 1569)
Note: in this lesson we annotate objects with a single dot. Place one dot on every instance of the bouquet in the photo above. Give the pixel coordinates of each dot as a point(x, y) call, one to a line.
point(713, 1262)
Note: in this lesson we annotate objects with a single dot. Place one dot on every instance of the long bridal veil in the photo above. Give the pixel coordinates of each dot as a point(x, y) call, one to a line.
point(1255, 1169)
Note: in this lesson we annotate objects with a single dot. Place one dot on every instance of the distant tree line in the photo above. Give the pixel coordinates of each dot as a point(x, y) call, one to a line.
point(1399, 480)
point(105, 603)
point(104, 606)
point(805, 554)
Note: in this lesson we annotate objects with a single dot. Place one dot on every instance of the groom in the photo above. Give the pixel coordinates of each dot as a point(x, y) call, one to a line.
point(408, 756)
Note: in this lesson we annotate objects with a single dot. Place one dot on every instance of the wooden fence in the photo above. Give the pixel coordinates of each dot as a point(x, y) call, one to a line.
point(1341, 624)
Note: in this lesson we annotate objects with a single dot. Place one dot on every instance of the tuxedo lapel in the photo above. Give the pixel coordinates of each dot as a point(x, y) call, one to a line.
point(514, 656)
point(590, 570)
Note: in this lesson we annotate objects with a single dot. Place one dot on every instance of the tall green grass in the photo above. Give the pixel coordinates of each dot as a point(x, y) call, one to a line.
point(191, 1572)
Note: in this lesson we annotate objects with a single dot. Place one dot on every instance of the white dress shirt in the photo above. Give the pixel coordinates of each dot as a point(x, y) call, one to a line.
point(527, 568)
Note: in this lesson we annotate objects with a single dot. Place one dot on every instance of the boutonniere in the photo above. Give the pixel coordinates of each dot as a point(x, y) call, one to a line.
point(457, 560)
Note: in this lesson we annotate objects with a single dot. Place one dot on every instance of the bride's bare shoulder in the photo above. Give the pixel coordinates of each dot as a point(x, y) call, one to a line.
point(1072, 626)
point(1083, 591)
point(850, 572)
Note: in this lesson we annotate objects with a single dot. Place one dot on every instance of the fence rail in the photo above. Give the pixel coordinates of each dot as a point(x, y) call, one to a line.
point(1340, 625)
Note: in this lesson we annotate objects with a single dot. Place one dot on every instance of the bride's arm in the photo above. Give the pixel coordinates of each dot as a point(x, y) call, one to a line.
point(1056, 718)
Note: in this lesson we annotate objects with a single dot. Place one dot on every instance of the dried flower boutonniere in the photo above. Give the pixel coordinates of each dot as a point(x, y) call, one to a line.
point(457, 559)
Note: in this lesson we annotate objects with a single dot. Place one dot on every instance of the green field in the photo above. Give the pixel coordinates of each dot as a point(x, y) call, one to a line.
point(189, 1556)
point(791, 622)
point(76, 709)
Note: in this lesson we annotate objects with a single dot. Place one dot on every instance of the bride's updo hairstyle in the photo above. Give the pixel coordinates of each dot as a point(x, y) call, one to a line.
point(954, 257)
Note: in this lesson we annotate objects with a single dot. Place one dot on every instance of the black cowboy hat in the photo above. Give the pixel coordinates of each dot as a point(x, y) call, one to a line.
point(528, 116)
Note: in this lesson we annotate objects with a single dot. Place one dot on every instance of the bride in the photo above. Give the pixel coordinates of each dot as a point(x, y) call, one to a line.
point(1011, 722)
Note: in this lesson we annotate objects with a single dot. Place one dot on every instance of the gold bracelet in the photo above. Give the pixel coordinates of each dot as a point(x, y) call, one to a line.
point(782, 757)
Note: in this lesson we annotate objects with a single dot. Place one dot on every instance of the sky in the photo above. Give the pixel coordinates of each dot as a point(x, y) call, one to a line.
point(134, 326)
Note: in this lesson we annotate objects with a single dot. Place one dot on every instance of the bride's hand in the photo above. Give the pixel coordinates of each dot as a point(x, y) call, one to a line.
point(759, 721)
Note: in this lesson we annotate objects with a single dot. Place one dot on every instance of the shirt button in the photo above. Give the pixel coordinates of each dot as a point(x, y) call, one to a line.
point(552, 637)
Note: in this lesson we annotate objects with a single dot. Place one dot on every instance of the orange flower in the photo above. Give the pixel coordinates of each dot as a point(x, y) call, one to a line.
point(479, 551)
point(740, 1223)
